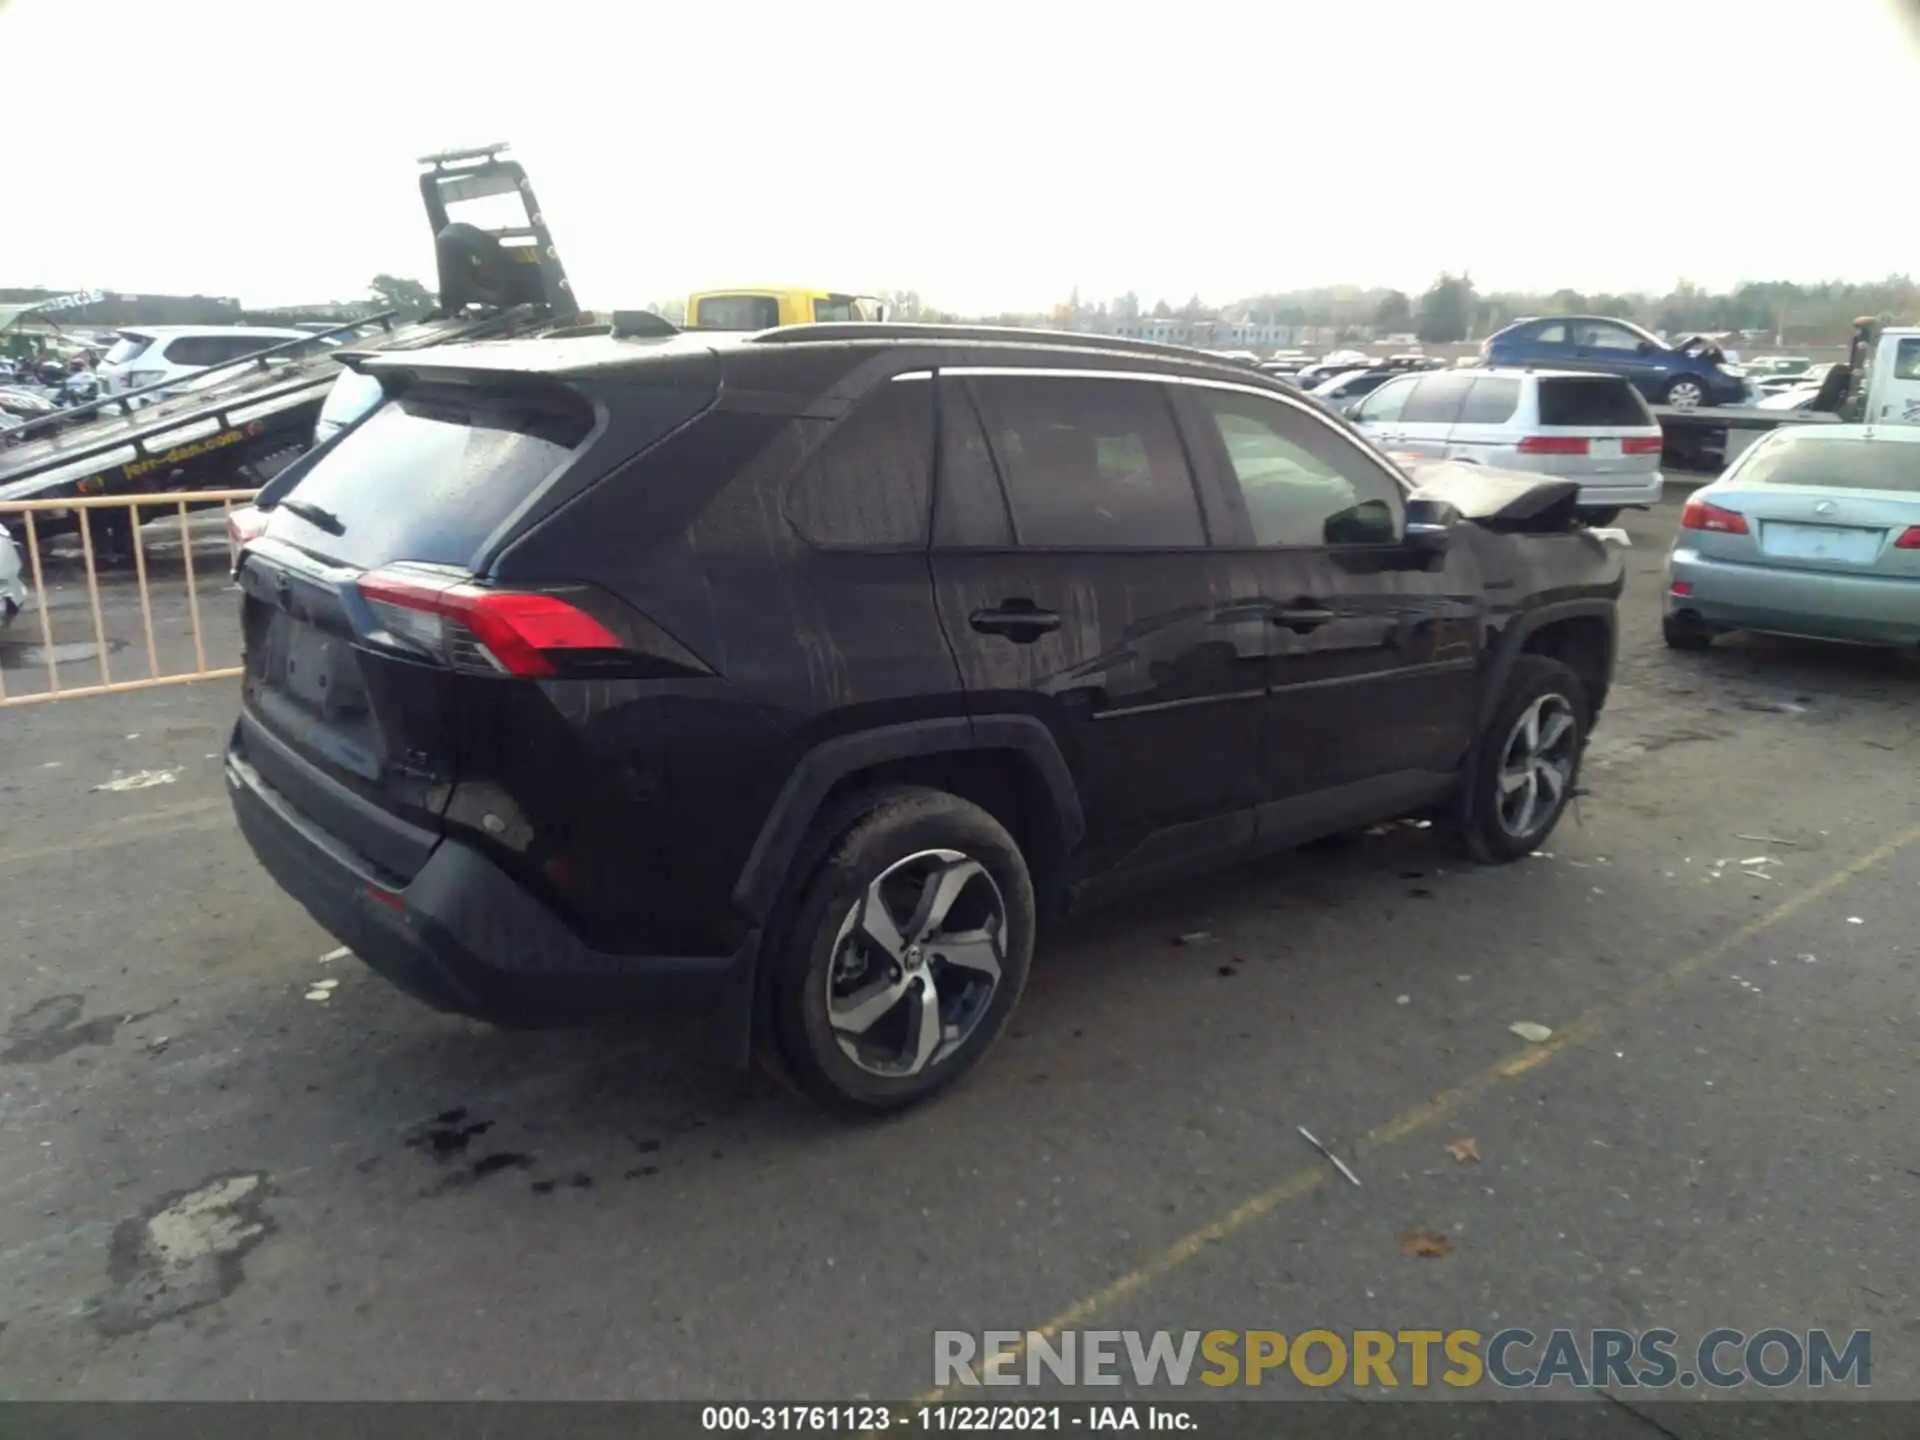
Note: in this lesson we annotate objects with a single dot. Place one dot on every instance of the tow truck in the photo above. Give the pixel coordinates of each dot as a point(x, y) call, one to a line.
point(1878, 383)
point(234, 425)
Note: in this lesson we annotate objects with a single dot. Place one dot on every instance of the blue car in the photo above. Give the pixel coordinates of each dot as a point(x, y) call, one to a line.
point(1692, 373)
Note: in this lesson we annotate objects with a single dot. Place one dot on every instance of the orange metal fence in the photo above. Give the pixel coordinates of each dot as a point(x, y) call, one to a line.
point(149, 525)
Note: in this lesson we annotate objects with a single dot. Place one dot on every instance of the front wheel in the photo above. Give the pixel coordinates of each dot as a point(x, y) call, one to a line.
point(908, 950)
point(1686, 394)
point(1684, 634)
point(1528, 763)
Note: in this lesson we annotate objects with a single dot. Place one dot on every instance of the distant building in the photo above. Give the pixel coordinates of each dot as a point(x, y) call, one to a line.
point(1217, 334)
point(105, 309)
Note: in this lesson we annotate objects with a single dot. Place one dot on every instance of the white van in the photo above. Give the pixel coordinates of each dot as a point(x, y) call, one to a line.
point(146, 355)
point(1574, 425)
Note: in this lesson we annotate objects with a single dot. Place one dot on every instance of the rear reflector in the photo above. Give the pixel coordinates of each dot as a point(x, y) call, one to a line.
point(1699, 515)
point(1642, 445)
point(1554, 445)
point(1683, 588)
point(471, 627)
point(1909, 539)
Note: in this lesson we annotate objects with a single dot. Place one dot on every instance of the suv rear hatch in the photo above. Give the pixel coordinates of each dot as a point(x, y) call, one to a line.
point(376, 648)
point(1592, 426)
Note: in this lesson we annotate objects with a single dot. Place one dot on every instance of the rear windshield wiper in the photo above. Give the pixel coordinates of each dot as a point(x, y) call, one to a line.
point(314, 515)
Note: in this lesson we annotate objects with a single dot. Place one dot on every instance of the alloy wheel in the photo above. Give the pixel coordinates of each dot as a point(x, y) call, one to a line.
point(1536, 765)
point(916, 963)
point(1685, 395)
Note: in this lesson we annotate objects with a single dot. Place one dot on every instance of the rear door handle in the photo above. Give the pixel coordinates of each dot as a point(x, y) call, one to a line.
point(1020, 621)
point(1303, 616)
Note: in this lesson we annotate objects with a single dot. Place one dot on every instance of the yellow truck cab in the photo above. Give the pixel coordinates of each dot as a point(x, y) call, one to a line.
point(765, 309)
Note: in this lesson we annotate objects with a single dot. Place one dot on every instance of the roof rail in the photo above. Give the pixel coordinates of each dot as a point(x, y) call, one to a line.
point(901, 330)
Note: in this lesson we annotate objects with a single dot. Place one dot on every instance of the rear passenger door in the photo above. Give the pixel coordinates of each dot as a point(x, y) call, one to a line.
point(1373, 648)
point(1427, 418)
point(1076, 584)
point(1483, 432)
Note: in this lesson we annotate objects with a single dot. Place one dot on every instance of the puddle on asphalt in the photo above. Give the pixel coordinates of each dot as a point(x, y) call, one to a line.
point(20, 655)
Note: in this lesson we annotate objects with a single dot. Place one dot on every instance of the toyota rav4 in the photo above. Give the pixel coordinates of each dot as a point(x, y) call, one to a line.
point(796, 677)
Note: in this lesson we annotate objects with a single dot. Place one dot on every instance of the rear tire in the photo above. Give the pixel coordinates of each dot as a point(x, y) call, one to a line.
point(1684, 634)
point(1529, 762)
point(918, 891)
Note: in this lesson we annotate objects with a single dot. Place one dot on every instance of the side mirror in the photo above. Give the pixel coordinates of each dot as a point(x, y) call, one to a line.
point(1430, 525)
point(1352, 412)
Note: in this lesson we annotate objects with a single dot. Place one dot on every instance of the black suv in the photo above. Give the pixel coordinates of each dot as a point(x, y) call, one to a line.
point(795, 676)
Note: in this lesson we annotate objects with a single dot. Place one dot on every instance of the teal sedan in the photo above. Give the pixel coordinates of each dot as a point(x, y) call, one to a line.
point(1814, 531)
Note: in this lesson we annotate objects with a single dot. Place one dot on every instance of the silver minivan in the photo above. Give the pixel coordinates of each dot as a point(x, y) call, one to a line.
point(1580, 426)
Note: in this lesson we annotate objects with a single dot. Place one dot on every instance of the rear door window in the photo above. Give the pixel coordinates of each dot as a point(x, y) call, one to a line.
point(1596, 400)
point(870, 485)
point(432, 474)
point(1599, 335)
point(1091, 463)
point(736, 312)
point(1491, 401)
point(1436, 400)
point(1831, 464)
point(1552, 333)
point(970, 510)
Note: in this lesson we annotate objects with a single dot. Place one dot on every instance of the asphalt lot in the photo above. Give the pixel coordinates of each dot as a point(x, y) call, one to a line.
point(211, 1186)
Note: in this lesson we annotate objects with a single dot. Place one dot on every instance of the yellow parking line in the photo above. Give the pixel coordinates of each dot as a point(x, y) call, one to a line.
point(1437, 1107)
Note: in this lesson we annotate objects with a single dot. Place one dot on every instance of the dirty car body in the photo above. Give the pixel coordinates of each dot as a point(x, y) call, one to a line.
point(566, 667)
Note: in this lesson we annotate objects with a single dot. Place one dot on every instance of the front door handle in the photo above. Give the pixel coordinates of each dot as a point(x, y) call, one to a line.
point(1020, 621)
point(1303, 616)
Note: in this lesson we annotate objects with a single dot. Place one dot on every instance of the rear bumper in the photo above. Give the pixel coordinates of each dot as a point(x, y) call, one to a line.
point(462, 936)
point(1867, 609)
point(1611, 492)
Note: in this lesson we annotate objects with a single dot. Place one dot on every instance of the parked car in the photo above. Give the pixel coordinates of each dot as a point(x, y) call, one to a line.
point(570, 684)
point(1285, 362)
point(1346, 388)
point(1686, 376)
point(147, 355)
point(1321, 371)
point(1761, 366)
point(1594, 429)
point(1798, 397)
point(13, 588)
point(1813, 531)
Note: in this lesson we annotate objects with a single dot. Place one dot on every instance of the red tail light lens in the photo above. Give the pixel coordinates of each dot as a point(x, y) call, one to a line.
point(1909, 539)
point(1699, 515)
point(1683, 588)
point(1554, 445)
point(472, 627)
point(1642, 445)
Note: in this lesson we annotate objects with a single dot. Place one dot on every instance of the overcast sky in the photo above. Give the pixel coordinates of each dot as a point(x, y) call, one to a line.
point(989, 155)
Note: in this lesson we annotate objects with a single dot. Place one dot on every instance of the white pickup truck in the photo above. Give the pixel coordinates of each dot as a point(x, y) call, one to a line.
point(1889, 384)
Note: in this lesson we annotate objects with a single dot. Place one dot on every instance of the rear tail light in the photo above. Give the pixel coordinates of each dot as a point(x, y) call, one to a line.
point(1554, 445)
point(1683, 588)
point(1642, 445)
point(1699, 515)
point(1909, 539)
point(471, 627)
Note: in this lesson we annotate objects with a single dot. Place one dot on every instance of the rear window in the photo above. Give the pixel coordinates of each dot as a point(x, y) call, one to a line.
point(834, 309)
point(127, 348)
point(433, 474)
point(1835, 464)
point(1491, 401)
point(736, 312)
point(352, 396)
point(1593, 400)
